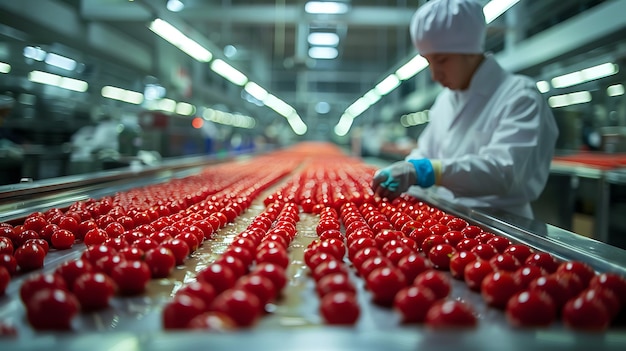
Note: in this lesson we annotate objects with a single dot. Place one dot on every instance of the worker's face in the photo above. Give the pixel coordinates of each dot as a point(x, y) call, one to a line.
point(453, 71)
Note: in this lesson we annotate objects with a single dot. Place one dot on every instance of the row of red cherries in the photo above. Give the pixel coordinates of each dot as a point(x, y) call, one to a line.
point(402, 250)
point(400, 242)
point(131, 238)
point(250, 274)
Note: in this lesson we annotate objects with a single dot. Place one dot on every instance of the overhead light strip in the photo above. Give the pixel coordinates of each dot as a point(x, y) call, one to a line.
point(185, 109)
point(323, 52)
point(5, 67)
point(615, 90)
point(543, 86)
point(229, 72)
point(411, 68)
point(388, 84)
point(326, 7)
point(585, 75)
point(175, 37)
point(226, 118)
point(343, 126)
point(34, 53)
point(323, 39)
point(58, 81)
point(256, 91)
point(128, 96)
point(579, 97)
point(278, 105)
point(59, 61)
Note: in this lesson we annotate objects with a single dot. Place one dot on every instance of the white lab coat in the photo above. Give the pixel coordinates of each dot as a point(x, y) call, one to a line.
point(495, 141)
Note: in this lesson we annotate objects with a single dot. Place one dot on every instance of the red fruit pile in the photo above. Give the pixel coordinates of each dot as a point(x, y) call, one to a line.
point(406, 252)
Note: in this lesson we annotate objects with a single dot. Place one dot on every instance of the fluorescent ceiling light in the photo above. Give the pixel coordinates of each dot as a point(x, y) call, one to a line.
point(343, 126)
point(414, 119)
point(255, 90)
point(60, 61)
point(579, 97)
point(600, 71)
point(115, 93)
point(5, 67)
point(230, 51)
point(585, 75)
point(167, 105)
point(154, 92)
point(326, 7)
point(297, 125)
point(208, 113)
point(58, 81)
point(229, 72)
point(74, 84)
point(242, 121)
point(180, 40)
point(543, 86)
point(322, 107)
point(282, 108)
point(323, 53)
point(235, 120)
point(34, 53)
point(495, 8)
point(615, 90)
point(175, 5)
point(358, 107)
point(387, 84)
point(278, 105)
point(323, 39)
point(185, 109)
point(372, 97)
point(411, 68)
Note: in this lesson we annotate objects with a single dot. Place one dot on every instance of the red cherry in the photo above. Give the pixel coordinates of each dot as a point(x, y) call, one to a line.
point(498, 287)
point(440, 256)
point(582, 313)
point(450, 314)
point(475, 273)
point(529, 308)
point(520, 251)
point(543, 260)
point(384, 283)
point(458, 261)
point(413, 302)
point(436, 281)
point(340, 308)
point(612, 282)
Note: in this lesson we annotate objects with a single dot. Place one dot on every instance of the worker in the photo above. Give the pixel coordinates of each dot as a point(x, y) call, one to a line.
point(491, 135)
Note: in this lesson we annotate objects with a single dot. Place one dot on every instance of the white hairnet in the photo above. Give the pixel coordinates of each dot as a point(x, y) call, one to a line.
point(449, 26)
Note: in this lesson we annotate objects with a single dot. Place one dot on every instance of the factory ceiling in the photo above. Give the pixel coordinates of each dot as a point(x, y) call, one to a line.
point(267, 39)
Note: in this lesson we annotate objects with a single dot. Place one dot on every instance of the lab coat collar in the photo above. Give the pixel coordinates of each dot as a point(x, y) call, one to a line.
point(483, 85)
point(487, 77)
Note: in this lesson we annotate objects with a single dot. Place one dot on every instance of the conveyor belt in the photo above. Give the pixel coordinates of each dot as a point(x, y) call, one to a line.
point(134, 322)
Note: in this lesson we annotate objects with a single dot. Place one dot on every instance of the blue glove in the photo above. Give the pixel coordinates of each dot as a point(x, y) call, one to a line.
point(392, 181)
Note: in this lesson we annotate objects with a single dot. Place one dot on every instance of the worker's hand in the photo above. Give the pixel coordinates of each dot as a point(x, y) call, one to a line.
point(393, 180)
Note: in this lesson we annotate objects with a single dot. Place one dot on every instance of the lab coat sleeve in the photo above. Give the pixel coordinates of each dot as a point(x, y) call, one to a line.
point(515, 161)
